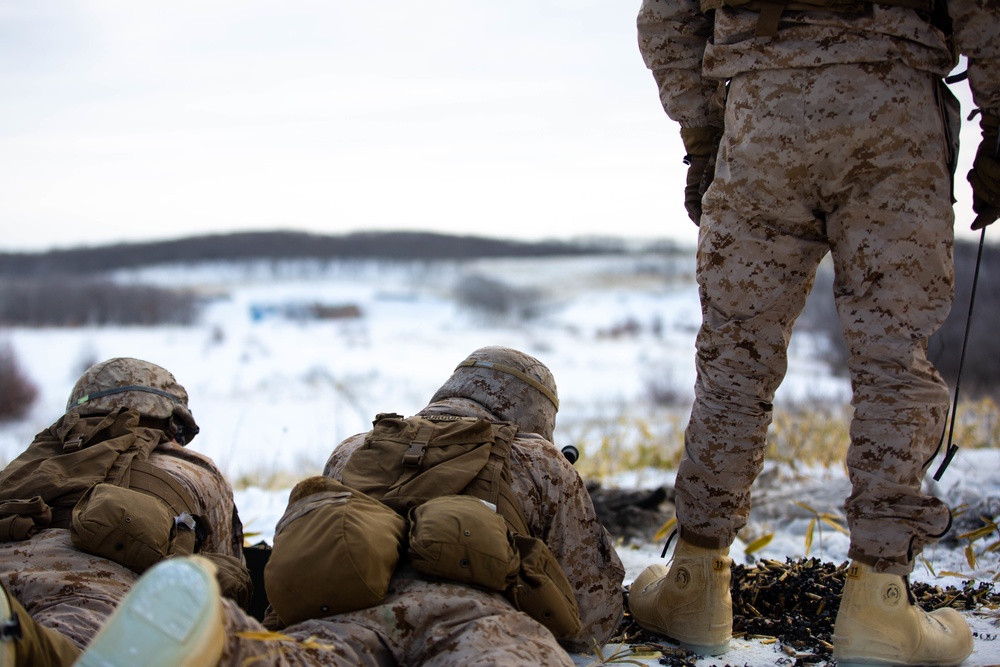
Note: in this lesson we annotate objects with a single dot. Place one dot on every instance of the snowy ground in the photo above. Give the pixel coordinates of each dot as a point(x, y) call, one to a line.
point(276, 394)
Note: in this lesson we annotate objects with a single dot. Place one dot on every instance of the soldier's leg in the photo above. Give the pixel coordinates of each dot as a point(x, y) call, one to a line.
point(172, 617)
point(892, 239)
point(894, 283)
point(25, 642)
point(327, 642)
point(441, 624)
point(34, 571)
point(481, 633)
point(430, 623)
point(759, 245)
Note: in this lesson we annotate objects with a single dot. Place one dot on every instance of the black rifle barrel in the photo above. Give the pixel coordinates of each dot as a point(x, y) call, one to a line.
point(571, 453)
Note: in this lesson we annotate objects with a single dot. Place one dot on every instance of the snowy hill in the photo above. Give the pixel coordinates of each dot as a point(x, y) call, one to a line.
point(289, 358)
point(275, 384)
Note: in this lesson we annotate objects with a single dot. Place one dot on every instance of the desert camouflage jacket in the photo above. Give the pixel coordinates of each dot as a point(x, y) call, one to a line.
point(692, 54)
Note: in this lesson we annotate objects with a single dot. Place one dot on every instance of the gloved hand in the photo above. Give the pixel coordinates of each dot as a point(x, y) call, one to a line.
point(985, 173)
point(697, 173)
point(702, 146)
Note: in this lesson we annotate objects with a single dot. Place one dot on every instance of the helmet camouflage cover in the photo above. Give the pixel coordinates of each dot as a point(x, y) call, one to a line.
point(512, 385)
point(133, 383)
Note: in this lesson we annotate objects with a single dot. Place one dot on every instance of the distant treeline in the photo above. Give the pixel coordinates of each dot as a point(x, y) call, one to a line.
point(282, 246)
point(61, 301)
point(71, 287)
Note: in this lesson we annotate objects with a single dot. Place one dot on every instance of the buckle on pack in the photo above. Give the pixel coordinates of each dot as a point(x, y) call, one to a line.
point(414, 454)
point(73, 444)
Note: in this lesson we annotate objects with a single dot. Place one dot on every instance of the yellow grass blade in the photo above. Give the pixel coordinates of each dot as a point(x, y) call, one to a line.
point(665, 530)
point(805, 507)
point(970, 556)
point(831, 521)
point(759, 543)
point(809, 535)
point(265, 636)
point(977, 533)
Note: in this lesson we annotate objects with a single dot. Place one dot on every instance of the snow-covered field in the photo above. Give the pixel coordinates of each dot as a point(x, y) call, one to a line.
point(274, 393)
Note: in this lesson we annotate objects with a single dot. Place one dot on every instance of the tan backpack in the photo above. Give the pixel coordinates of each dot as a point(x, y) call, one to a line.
point(426, 468)
point(405, 462)
point(91, 475)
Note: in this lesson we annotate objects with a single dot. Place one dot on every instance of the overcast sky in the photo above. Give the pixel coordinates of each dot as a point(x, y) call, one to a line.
point(532, 119)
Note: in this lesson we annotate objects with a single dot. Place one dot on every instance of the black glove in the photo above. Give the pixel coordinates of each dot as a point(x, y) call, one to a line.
point(702, 146)
point(985, 173)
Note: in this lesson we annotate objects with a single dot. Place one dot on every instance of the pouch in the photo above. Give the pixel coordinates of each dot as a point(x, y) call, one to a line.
point(542, 590)
point(233, 578)
point(21, 519)
point(335, 550)
point(462, 539)
point(131, 528)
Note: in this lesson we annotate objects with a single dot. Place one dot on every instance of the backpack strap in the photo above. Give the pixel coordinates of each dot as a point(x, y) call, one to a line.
point(147, 478)
point(151, 480)
point(510, 370)
point(493, 481)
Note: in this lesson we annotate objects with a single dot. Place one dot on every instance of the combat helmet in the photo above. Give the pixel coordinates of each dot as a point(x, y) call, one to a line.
point(125, 382)
point(512, 385)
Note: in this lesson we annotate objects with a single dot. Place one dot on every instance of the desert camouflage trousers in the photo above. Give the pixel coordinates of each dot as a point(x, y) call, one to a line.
point(850, 160)
point(430, 623)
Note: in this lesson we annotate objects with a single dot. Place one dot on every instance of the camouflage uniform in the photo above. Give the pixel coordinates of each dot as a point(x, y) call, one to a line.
point(423, 622)
point(74, 592)
point(837, 138)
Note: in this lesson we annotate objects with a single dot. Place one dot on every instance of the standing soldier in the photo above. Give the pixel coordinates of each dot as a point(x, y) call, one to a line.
point(105, 492)
point(813, 127)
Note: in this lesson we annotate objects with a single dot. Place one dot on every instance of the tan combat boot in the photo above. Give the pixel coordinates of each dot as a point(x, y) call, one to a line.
point(10, 631)
point(878, 625)
point(172, 617)
point(25, 642)
point(690, 602)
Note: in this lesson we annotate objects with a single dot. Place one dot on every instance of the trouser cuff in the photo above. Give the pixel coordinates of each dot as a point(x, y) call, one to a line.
point(704, 541)
point(901, 565)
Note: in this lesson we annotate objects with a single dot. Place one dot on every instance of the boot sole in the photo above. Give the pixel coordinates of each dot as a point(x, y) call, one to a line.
point(170, 618)
point(717, 649)
point(890, 663)
point(7, 619)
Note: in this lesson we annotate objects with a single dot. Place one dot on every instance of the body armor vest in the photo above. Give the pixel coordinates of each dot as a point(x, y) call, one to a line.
point(771, 10)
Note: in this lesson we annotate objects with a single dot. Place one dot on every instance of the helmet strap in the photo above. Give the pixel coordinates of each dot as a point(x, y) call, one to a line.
point(510, 370)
